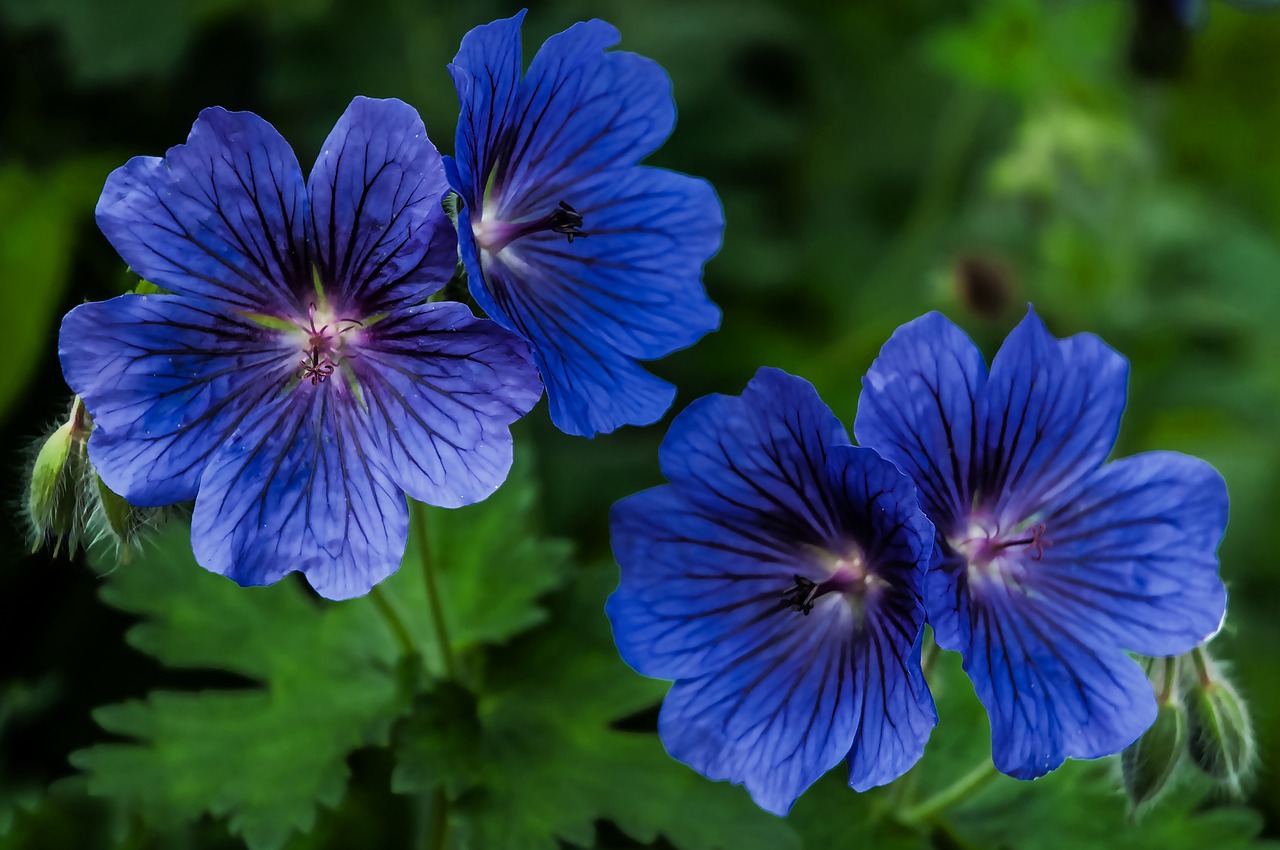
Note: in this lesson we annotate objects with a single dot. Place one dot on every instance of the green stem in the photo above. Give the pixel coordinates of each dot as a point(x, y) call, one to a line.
point(1201, 660)
point(419, 522)
point(1170, 679)
point(438, 834)
point(963, 787)
point(394, 621)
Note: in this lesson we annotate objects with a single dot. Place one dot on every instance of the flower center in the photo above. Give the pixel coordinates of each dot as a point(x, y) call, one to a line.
point(847, 575)
point(493, 234)
point(993, 553)
point(322, 344)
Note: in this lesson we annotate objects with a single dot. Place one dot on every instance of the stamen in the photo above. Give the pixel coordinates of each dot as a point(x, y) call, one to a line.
point(567, 221)
point(802, 596)
point(318, 364)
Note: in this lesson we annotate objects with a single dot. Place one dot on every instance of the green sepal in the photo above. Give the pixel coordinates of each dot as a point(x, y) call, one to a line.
point(1149, 762)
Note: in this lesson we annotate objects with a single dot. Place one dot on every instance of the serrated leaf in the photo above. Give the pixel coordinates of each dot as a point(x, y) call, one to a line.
point(490, 565)
point(262, 757)
point(544, 764)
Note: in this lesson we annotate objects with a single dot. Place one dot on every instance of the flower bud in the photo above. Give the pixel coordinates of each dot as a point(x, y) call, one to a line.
point(1149, 762)
point(57, 497)
point(1221, 736)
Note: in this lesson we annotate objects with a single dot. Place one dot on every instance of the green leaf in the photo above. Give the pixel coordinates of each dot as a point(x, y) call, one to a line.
point(491, 567)
point(540, 759)
point(41, 214)
point(262, 757)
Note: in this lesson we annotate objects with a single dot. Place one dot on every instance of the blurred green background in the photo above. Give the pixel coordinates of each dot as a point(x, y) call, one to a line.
point(876, 160)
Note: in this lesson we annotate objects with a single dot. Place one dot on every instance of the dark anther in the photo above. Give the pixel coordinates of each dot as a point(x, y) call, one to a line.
point(567, 221)
point(801, 597)
point(316, 366)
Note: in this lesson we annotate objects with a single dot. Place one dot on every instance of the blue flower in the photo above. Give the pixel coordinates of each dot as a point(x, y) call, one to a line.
point(1053, 564)
point(778, 579)
point(566, 241)
point(295, 384)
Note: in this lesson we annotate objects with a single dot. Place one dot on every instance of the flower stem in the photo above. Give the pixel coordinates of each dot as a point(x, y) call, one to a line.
point(420, 520)
point(394, 621)
point(438, 833)
point(963, 787)
point(1201, 660)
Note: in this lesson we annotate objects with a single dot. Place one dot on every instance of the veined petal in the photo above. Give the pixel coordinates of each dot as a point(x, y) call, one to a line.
point(166, 379)
point(580, 111)
point(1050, 692)
point(699, 590)
point(762, 455)
point(895, 711)
point(919, 409)
point(774, 720)
point(1132, 555)
point(442, 389)
point(219, 217)
point(377, 227)
point(486, 74)
point(294, 490)
point(630, 291)
point(1050, 415)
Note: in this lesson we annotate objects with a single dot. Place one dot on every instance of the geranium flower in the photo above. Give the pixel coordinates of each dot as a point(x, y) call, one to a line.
point(778, 580)
point(566, 241)
point(294, 383)
point(1053, 564)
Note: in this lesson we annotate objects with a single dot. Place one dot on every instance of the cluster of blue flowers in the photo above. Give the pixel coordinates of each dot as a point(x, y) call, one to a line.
point(784, 577)
point(296, 379)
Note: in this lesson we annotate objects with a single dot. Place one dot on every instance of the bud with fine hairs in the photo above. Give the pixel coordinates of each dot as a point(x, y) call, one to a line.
point(1148, 764)
point(59, 500)
point(1220, 735)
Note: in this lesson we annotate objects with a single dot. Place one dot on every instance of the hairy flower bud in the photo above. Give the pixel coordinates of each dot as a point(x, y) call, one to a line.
point(1147, 765)
point(1220, 734)
point(57, 497)
point(1149, 762)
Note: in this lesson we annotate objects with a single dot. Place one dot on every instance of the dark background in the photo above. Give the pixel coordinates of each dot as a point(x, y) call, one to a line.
point(875, 160)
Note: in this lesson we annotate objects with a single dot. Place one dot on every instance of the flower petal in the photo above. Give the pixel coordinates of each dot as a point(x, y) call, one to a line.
point(774, 720)
point(1050, 416)
point(486, 74)
point(442, 388)
point(631, 290)
point(1133, 555)
point(377, 227)
point(918, 408)
point(1050, 693)
point(894, 707)
point(221, 216)
point(579, 112)
point(761, 456)
point(293, 490)
point(166, 380)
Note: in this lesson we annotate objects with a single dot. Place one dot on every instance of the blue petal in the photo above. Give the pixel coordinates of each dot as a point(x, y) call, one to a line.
point(221, 217)
point(292, 489)
point(1050, 414)
point(918, 408)
point(166, 380)
point(580, 112)
point(774, 720)
point(1132, 556)
point(1050, 691)
point(442, 388)
point(377, 227)
point(631, 290)
point(894, 707)
point(486, 74)
point(763, 454)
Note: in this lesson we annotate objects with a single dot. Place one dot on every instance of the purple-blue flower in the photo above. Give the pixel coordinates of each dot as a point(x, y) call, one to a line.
point(295, 383)
point(778, 580)
point(1053, 564)
point(566, 240)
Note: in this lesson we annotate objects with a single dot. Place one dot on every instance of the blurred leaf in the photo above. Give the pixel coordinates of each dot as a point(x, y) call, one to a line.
point(491, 566)
point(542, 764)
point(40, 215)
point(263, 757)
